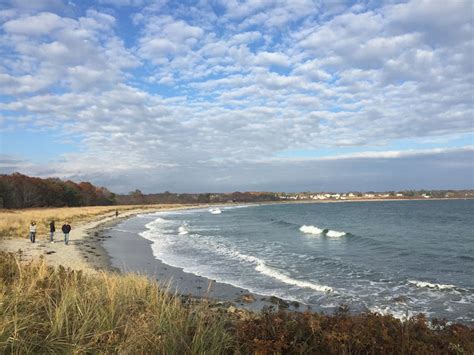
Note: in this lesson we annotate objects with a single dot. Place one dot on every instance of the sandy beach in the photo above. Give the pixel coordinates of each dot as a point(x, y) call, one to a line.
point(78, 254)
point(58, 253)
point(94, 247)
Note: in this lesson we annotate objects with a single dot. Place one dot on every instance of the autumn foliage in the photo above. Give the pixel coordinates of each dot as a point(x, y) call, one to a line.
point(21, 191)
point(344, 333)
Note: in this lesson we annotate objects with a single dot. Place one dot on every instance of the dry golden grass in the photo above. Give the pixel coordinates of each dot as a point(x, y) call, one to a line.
point(15, 223)
point(57, 311)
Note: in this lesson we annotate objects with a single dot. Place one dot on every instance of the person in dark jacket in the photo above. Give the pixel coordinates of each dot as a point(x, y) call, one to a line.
point(66, 228)
point(52, 229)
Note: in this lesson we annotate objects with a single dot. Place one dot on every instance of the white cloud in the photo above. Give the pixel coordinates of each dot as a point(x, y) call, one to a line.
point(272, 58)
point(68, 53)
point(188, 88)
point(37, 25)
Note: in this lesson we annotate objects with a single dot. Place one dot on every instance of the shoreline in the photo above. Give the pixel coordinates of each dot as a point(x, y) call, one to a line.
point(71, 255)
point(86, 252)
point(129, 252)
point(89, 250)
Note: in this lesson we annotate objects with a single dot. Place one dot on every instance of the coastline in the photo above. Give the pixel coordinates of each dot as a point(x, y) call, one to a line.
point(95, 247)
point(86, 252)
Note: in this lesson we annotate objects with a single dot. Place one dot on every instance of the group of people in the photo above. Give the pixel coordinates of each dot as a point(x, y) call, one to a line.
point(66, 229)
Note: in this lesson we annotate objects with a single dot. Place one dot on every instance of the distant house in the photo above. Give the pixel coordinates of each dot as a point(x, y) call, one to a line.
point(399, 195)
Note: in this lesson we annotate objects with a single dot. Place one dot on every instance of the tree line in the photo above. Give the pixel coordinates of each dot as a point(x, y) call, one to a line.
point(21, 191)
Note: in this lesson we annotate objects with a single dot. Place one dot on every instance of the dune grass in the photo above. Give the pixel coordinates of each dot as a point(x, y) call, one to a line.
point(57, 310)
point(47, 310)
point(14, 223)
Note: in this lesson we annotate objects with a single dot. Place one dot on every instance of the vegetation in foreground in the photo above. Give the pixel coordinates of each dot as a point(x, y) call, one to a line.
point(14, 223)
point(48, 310)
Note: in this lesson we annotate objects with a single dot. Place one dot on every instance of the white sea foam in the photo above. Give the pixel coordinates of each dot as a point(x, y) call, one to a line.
point(266, 270)
point(311, 230)
point(401, 314)
point(431, 285)
point(262, 268)
point(183, 230)
point(335, 234)
point(160, 226)
point(156, 224)
point(318, 231)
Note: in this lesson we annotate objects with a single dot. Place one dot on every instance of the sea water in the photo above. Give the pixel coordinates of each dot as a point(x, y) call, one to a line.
point(398, 257)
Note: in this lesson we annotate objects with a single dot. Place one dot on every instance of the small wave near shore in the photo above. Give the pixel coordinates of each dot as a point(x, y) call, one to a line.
point(425, 284)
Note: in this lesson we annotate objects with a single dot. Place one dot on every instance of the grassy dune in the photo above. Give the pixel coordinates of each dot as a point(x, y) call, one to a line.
point(47, 310)
point(14, 223)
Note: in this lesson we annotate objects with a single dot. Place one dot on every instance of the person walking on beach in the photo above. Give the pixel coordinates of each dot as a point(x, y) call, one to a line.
point(116, 213)
point(52, 229)
point(33, 231)
point(66, 228)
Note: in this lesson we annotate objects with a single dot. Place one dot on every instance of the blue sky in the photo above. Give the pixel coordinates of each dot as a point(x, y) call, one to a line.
point(239, 95)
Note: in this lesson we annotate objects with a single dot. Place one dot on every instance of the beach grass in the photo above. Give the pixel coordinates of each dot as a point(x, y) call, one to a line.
point(48, 310)
point(57, 310)
point(14, 223)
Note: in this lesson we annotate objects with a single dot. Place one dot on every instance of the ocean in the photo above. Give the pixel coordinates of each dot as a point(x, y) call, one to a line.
point(397, 257)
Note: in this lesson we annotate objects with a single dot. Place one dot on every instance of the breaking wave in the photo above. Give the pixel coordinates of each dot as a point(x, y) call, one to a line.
point(262, 268)
point(183, 230)
point(311, 230)
point(268, 271)
point(258, 264)
point(335, 234)
point(318, 231)
point(425, 284)
point(215, 210)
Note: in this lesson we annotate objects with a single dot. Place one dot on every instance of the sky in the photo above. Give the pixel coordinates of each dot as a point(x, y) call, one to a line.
point(261, 95)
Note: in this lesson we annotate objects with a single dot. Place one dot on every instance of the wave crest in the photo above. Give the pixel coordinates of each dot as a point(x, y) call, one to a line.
point(311, 230)
point(425, 284)
point(335, 234)
point(266, 270)
point(183, 230)
point(262, 268)
point(318, 231)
